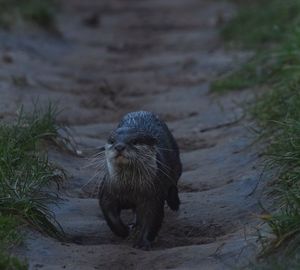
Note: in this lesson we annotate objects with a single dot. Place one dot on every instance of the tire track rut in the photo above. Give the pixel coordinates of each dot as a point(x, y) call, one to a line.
point(118, 56)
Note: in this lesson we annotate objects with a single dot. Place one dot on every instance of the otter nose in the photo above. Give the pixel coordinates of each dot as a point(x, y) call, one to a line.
point(120, 147)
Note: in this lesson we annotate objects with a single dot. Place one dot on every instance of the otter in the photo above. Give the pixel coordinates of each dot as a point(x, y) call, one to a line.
point(141, 173)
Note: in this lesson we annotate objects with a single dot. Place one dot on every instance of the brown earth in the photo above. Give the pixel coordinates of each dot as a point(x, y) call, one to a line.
point(117, 56)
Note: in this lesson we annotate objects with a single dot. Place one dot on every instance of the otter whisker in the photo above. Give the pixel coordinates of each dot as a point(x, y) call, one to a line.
point(164, 167)
point(98, 153)
point(94, 165)
point(102, 155)
point(98, 164)
point(100, 169)
point(149, 174)
point(159, 162)
point(95, 176)
point(93, 162)
point(165, 149)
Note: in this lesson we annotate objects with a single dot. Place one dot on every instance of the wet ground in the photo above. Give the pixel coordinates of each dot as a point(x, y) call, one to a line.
point(117, 56)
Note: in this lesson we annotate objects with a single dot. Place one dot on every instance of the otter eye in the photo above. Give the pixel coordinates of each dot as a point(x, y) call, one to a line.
point(134, 142)
point(111, 140)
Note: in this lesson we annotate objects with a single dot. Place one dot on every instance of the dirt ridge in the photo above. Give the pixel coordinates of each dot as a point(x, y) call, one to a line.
point(142, 55)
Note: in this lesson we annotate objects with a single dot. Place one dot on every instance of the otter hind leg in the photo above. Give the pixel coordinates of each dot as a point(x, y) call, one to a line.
point(173, 199)
point(111, 212)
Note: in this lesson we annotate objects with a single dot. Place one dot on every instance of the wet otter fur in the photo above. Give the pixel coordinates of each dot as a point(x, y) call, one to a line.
point(141, 173)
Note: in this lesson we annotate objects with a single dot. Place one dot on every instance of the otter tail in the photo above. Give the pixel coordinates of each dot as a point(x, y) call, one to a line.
point(173, 199)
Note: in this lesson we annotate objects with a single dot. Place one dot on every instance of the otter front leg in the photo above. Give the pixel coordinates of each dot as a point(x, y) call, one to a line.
point(149, 218)
point(111, 212)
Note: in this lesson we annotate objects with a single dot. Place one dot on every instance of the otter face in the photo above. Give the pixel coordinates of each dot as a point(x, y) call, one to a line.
point(126, 149)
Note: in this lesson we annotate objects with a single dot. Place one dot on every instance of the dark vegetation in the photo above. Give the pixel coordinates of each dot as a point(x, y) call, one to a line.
point(25, 174)
point(39, 12)
point(25, 171)
point(271, 29)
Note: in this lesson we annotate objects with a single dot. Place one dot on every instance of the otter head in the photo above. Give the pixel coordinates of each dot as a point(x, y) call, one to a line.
point(129, 149)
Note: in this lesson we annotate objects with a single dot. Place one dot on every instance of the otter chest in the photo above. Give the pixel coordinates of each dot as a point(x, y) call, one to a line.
point(131, 190)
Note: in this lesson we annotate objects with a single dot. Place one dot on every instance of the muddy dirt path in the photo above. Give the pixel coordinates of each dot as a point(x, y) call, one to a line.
point(117, 56)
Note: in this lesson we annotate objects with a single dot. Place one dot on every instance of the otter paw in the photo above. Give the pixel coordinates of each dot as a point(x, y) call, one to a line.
point(143, 244)
point(132, 226)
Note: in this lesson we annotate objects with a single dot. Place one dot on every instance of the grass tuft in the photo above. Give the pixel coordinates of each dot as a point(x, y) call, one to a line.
point(25, 177)
point(271, 29)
